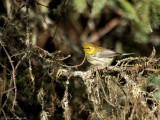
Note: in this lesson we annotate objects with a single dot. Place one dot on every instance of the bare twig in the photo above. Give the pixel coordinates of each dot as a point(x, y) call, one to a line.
point(101, 32)
point(30, 73)
point(24, 56)
point(13, 78)
point(65, 102)
point(27, 24)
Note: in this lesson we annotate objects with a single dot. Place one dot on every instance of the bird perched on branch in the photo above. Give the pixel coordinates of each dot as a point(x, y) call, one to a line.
point(100, 56)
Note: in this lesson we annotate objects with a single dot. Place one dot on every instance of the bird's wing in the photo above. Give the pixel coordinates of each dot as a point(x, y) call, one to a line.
point(107, 54)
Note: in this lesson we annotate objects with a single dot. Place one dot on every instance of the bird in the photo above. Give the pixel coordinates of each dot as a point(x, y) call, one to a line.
point(100, 56)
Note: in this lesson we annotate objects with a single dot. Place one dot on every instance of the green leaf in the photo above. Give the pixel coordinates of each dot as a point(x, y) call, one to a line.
point(79, 5)
point(98, 5)
point(129, 9)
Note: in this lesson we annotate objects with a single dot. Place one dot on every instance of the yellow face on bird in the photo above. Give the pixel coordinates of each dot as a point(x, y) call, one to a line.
point(91, 49)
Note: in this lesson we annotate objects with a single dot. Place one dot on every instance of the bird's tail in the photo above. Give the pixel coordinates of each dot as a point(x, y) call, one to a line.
point(124, 54)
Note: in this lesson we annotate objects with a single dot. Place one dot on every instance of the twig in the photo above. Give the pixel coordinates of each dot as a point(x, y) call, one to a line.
point(65, 101)
point(74, 66)
point(8, 90)
point(5, 117)
point(101, 32)
point(13, 79)
point(30, 73)
point(24, 56)
point(27, 24)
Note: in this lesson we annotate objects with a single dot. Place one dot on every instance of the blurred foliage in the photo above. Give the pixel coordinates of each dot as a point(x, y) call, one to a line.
point(143, 14)
point(79, 6)
point(97, 7)
point(154, 83)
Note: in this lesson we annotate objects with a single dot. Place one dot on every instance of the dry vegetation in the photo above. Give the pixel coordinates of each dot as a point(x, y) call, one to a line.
point(37, 81)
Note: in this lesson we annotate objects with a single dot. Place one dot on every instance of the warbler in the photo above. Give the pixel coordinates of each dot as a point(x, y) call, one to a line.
point(100, 56)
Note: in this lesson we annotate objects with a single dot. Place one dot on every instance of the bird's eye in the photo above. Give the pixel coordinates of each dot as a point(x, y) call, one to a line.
point(87, 48)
